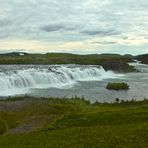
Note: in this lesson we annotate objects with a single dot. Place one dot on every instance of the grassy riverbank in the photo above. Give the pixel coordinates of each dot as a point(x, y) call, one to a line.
point(73, 123)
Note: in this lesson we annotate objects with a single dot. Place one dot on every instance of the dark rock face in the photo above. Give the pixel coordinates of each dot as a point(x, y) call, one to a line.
point(143, 58)
point(118, 66)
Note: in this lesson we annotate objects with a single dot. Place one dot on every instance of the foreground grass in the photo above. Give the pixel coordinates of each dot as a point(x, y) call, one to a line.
point(73, 123)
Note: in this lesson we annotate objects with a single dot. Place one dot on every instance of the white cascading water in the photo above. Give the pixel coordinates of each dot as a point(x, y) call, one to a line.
point(56, 76)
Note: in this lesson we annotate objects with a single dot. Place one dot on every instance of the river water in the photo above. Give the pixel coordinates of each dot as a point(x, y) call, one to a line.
point(71, 80)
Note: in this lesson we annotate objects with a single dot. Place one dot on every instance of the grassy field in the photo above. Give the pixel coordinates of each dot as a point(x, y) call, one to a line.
point(72, 123)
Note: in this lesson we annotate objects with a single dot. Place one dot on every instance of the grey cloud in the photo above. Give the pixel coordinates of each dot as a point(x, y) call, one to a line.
point(125, 38)
point(59, 27)
point(4, 23)
point(2, 36)
point(104, 42)
point(52, 28)
point(101, 32)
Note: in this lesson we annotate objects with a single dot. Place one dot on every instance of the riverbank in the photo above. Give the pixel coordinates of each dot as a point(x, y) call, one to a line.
point(75, 123)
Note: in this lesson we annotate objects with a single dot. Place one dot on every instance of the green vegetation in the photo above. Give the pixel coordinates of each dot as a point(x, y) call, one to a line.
point(3, 126)
point(113, 62)
point(73, 123)
point(117, 86)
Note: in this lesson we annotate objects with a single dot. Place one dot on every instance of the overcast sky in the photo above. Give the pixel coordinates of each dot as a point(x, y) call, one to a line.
point(77, 26)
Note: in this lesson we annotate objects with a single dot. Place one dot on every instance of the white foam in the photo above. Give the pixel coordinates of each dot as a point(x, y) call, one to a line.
point(55, 76)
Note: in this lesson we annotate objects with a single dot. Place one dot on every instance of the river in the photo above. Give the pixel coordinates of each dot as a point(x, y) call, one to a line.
point(71, 80)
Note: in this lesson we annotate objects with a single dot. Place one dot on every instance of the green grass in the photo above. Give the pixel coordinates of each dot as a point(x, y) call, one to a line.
point(117, 86)
point(73, 123)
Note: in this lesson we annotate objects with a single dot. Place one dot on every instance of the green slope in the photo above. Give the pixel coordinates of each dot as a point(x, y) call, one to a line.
point(73, 123)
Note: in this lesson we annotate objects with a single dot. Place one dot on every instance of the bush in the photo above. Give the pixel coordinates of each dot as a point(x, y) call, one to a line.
point(3, 126)
point(117, 86)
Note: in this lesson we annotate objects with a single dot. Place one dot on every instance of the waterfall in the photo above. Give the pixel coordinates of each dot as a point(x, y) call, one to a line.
point(52, 76)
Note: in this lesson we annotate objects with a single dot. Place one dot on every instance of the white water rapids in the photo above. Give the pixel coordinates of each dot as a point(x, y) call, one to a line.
point(14, 78)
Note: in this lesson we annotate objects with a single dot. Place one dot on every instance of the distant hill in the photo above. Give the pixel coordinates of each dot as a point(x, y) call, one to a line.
point(14, 54)
point(143, 58)
point(113, 62)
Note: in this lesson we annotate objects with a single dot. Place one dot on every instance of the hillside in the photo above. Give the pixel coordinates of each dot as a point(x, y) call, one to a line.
point(143, 58)
point(75, 123)
point(113, 62)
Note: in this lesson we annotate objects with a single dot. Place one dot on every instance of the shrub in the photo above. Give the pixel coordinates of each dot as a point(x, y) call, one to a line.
point(117, 100)
point(3, 126)
point(117, 86)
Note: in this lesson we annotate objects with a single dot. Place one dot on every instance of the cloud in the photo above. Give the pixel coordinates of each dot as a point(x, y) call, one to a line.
point(5, 23)
point(3, 35)
point(104, 42)
point(87, 22)
point(59, 27)
point(101, 32)
point(52, 28)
